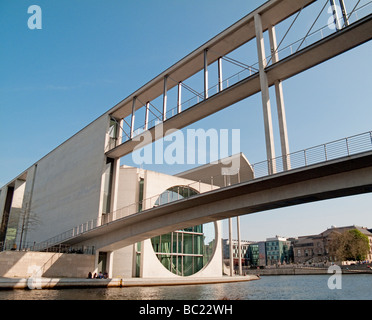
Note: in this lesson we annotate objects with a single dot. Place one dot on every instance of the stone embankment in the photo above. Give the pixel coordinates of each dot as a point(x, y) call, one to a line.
point(289, 270)
point(60, 283)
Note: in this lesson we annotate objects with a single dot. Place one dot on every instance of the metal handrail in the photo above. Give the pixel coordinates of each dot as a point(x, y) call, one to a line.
point(314, 155)
point(199, 96)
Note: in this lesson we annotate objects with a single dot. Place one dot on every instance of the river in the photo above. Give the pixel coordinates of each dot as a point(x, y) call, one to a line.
point(286, 287)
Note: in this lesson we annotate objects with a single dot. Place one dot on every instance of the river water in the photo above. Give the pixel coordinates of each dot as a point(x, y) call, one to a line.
point(288, 287)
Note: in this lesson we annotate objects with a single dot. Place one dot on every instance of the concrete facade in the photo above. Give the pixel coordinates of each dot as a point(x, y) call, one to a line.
point(81, 180)
point(44, 264)
point(62, 189)
point(123, 261)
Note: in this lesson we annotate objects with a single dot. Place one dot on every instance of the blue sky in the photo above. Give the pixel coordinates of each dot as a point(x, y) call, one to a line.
point(89, 55)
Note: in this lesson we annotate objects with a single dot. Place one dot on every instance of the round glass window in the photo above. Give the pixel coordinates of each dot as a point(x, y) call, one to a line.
point(187, 251)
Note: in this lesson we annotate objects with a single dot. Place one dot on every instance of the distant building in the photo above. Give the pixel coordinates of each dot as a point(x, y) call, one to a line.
point(235, 251)
point(273, 251)
point(278, 251)
point(315, 248)
point(257, 254)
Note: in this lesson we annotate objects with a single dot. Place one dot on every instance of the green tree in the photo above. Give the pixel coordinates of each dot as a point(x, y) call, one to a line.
point(359, 245)
point(349, 245)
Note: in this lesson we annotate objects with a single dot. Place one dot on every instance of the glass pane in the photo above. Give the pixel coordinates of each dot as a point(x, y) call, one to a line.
point(156, 243)
point(165, 246)
point(165, 260)
point(198, 264)
point(138, 264)
point(174, 244)
point(187, 243)
point(193, 248)
point(187, 265)
point(198, 244)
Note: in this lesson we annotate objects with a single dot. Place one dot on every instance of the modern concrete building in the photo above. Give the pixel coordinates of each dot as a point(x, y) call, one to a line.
point(193, 251)
point(190, 251)
point(80, 185)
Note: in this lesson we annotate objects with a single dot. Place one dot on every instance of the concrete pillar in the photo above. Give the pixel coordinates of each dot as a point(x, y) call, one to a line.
point(165, 93)
point(179, 109)
point(231, 248)
point(95, 271)
point(239, 245)
point(269, 137)
point(115, 173)
point(335, 15)
point(206, 74)
point(280, 104)
point(133, 117)
point(142, 255)
point(110, 263)
point(147, 115)
point(115, 186)
point(220, 78)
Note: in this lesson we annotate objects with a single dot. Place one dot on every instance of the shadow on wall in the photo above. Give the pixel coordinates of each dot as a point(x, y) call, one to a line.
point(45, 264)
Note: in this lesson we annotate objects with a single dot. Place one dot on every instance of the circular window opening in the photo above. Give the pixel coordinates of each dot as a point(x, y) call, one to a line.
point(187, 251)
point(175, 193)
point(184, 252)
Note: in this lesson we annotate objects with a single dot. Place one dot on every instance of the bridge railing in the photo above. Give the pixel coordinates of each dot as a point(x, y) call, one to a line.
point(318, 154)
point(360, 11)
point(315, 155)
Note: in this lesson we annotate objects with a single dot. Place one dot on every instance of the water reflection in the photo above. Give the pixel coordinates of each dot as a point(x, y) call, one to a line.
point(312, 287)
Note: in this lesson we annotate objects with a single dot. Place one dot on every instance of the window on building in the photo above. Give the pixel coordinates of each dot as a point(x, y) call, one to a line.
point(186, 251)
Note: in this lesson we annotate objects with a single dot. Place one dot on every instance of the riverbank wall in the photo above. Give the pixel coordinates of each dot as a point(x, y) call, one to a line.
point(25, 264)
point(306, 271)
point(61, 283)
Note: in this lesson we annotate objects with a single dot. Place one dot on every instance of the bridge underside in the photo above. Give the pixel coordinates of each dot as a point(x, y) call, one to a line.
point(338, 178)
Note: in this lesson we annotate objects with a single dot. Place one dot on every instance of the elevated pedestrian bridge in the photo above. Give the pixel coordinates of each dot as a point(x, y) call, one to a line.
point(336, 169)
point(316, 47)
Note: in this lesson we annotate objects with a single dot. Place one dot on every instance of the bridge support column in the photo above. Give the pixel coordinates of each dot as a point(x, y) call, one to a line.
point(280, 104)
point(133, 117)
point(269, 137)
point(220, 85)
point(336, 19)
point(179, 103)
point(231, 249)
point(165, 93)
point(206, 74)
point(147, 115)
point(239, 246)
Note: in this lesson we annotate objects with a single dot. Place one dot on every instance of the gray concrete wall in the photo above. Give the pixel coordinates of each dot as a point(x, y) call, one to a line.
point(45, 264)
point(123, 264)
point(67, 184)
